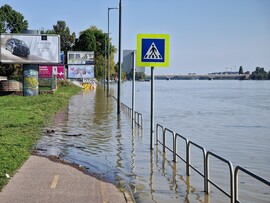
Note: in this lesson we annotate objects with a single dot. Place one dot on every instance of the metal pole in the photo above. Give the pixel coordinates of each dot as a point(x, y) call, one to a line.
point(105, 65)
point(108, 61)
point(119, 60)
point(133, 90)
point(152, 109)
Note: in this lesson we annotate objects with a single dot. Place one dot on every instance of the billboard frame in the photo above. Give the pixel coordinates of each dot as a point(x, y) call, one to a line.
point(42, 51)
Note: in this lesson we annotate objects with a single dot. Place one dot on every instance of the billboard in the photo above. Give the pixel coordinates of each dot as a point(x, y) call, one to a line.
point(80, 57)
point(81, 71)
point(48, 71)
point(29, 49)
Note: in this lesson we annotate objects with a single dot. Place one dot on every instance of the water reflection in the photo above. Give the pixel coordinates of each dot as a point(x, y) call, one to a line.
point(90, 133)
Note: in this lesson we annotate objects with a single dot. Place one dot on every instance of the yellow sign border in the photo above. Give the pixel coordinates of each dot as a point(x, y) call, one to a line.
point(139, 62)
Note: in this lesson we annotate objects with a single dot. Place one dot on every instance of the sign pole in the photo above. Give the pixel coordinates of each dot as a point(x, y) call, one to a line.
point(119, 61)
point(133, 90)
point(152, 108)
point(152, 51)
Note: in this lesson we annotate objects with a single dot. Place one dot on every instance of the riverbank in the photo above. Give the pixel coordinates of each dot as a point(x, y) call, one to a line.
point(20, 123)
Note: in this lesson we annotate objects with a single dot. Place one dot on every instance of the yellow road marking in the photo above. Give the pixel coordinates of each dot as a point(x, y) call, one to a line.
point(54, 182)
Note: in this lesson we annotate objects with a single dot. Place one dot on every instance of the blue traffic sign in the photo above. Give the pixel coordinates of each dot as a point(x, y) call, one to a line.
point(152, 50)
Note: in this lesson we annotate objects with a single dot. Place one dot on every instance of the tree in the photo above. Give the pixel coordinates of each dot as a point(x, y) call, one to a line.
point(66, 39)
point(86, 41)
point(93, 39)
point(42, 31)
point(11, 21)
point(6, 70)
point(241, 70)
point(269, 75)
point(259, 74)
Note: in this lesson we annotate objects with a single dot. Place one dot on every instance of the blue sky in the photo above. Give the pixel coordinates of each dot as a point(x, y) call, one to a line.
point(205, 35)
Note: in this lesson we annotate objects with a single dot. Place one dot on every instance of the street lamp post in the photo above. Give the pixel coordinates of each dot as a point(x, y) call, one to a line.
point(108, 61)
point(105, 65)
point(119, 59)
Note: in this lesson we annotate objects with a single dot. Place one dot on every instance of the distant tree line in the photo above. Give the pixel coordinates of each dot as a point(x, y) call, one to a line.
point(138, 76)
point(91, 39)
point(258, 74)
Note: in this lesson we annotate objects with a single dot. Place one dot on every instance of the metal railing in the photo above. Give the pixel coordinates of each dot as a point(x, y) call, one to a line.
point(233, 173)
point(138, 117)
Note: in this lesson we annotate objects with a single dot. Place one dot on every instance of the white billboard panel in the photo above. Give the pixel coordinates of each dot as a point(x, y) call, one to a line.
point(30, 49)
point(81, 71)
point(80, 57)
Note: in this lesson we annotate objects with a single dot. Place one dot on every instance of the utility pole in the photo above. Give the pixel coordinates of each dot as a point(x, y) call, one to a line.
point(119, 60)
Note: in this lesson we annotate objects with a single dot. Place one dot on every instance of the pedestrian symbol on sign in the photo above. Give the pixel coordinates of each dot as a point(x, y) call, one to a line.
point(153, 50)
point(152, 53)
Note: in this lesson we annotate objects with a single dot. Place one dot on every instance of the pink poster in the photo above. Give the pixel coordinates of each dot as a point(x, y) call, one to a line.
point(48, 71)
point(60, 72)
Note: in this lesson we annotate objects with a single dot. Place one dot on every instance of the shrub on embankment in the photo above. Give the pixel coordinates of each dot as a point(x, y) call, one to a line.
point(21, 119)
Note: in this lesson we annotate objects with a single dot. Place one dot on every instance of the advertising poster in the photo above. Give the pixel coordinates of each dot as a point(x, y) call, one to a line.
point(30, 83)
point(81, 71)
point(30, 49)
point(48, 71)
point(80, 57)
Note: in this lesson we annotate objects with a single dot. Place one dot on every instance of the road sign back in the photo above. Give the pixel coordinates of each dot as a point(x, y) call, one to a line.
point(153, 50)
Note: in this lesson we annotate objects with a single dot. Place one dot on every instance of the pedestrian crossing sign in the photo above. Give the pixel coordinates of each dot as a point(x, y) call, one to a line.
point(152, 50)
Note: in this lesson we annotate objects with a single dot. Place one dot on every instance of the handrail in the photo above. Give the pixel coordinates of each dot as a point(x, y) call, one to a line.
point(138, 118)
point(164, 140)
point(231, 175)
point(206, 154)
point(187, 152)
point(239, 168)
point(157, 127)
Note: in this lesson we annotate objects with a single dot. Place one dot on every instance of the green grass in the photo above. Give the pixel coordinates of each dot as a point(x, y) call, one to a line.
point(21, 119)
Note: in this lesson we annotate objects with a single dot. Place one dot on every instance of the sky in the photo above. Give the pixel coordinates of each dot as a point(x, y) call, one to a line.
point(205, 35)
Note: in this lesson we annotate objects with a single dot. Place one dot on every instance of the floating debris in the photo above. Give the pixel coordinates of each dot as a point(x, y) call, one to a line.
point(48, 131)
point(74, 135)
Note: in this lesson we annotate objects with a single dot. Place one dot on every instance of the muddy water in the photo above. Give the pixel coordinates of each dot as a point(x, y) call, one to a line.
point(90, 133)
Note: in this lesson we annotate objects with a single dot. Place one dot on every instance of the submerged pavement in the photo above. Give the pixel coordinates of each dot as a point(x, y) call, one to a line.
point(42, 180)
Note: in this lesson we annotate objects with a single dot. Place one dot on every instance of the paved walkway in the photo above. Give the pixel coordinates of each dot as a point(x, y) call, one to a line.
point(41, 180)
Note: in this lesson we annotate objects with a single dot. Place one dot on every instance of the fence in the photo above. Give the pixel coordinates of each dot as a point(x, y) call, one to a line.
point(138, 117)
point(234, 173)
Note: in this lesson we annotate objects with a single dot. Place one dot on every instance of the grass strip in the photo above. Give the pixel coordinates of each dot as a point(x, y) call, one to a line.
point(21, 119)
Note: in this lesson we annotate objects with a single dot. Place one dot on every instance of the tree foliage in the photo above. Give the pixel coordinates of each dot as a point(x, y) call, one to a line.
point(259, 74)
point(86, 41)
point(11, 21)
point(66, 39)
point(93, 39)
point(138, 76)
point(241, 70)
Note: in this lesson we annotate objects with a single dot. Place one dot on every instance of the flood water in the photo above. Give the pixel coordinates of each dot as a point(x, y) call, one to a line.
point(229, 118)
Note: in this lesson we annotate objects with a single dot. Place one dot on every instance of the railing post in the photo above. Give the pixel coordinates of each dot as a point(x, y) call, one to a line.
point(164, 140)
point(188, 159)
point(174, 147)
point(236, 184)
point(206, 174)
point(157, 134)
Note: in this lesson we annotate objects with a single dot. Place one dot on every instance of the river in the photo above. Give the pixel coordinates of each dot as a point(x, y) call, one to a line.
point(230, 118)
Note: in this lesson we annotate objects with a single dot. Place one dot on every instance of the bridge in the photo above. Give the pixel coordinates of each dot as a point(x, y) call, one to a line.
point(201, 77)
